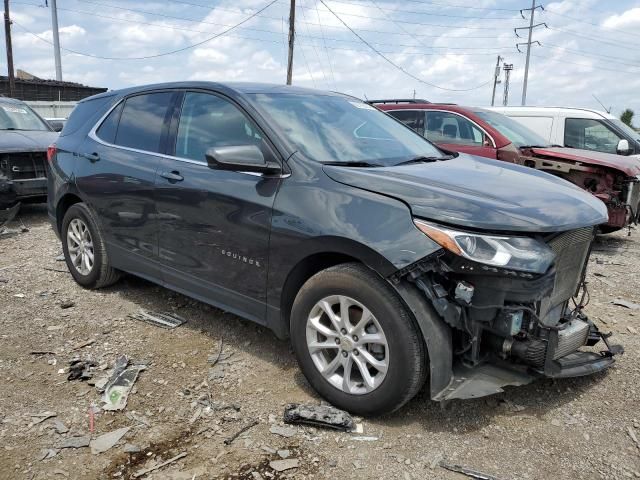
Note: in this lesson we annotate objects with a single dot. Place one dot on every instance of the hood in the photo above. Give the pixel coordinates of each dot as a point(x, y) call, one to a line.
point(480, 193)
point(628, 165)
point(26, 140)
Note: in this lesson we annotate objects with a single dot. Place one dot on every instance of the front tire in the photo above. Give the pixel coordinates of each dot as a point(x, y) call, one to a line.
point(84, 249)
point(356, 342)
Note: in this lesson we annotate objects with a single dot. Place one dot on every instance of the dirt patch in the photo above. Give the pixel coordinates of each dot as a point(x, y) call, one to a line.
point(579, 428)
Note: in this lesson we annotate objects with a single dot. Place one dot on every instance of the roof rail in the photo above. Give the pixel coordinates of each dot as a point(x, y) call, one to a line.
point(399, 100)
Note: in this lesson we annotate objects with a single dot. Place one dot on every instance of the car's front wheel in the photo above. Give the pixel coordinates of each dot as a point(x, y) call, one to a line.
point(356, 342)
point(84, 249)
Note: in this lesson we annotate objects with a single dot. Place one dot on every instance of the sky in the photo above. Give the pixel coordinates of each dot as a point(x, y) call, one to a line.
point(441, 50)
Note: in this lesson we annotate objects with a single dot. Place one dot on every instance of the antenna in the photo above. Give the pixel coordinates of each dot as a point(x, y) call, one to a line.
point(608, 110)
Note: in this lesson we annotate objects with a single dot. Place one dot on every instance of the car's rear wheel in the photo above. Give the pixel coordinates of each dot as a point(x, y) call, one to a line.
point(84, 249)
point(356, 342)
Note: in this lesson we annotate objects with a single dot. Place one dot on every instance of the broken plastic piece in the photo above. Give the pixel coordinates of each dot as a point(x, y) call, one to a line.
point(319, 416)
point(120, 384)
point(467, 471)
point(164, 320)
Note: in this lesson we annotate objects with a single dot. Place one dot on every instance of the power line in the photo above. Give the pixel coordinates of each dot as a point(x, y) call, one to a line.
point(588, 23)
point(178, 50)
point(450, 5)
point(596, 39)
point(311, 37)
point(316, 51)
point(391, 62)
point(587, 65)
point(326, 51)
point(417, 12)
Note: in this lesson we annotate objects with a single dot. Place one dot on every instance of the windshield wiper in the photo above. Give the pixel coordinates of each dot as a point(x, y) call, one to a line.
point(425, 159)
point(354, 164)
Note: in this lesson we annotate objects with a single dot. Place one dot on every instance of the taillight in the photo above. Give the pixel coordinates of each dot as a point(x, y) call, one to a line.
point(51, 152)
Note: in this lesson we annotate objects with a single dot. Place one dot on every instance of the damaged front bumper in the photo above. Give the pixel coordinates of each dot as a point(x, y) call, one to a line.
point(486, 328)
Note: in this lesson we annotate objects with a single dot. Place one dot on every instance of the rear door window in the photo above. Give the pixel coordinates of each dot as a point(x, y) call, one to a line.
point(590, 134)
point(413, 119)
point(144, 122)
point(208, 121)
point(445, 127)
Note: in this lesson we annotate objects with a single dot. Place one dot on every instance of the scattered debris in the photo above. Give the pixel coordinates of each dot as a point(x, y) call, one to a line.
point(60, 427)
point(106, 441)
point(52, 328)
point(286, 432)
point(76, 442)
point(42, 352)
point(37, 418)
point(120, 383)
point(468, 472)
point(284, 454)
point(130, 448)
point(164, 320)
point(319, 416)
point(67, 304)
point(364, 439)
point(143, 472)
point(84, 344)
point(214, 360)
point(8, 214)
point(631, 329)
point(633, 436)
point(80, 369)
point(60, 258)
point(625, 303)
point(19, 295)
point(49, 269)
point(229, 440)
point(282, 465)
point(47, 453)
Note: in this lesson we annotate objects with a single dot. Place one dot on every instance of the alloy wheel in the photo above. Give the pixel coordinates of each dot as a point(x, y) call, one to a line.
point(80, 246)
point(347, 344)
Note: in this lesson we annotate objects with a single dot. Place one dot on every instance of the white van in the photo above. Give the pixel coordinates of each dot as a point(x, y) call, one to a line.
point(577, 128)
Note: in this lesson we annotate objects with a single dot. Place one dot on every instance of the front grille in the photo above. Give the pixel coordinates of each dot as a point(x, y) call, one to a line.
point(572, 250)
point(571, 338)
point(24, 166)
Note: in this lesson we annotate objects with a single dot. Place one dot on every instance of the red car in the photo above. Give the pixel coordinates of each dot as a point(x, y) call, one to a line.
point(614, 179)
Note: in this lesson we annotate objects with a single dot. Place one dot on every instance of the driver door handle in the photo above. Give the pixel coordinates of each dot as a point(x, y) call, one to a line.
point(92, 157)
point(173, 176)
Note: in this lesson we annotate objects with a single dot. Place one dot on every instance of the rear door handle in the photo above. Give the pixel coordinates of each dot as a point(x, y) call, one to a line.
point(92, 157)
point(173, 176)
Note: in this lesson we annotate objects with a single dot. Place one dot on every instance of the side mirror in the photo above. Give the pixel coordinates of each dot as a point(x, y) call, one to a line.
point(240, 158)
point(623, 147)
point(57, 126)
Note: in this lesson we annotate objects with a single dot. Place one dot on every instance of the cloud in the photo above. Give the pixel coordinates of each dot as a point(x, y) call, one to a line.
point(630, 18)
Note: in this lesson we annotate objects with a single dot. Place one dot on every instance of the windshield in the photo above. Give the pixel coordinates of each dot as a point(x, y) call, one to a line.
point(20, 117)
point(519, 135)
point(626, 129)
point(334, 129)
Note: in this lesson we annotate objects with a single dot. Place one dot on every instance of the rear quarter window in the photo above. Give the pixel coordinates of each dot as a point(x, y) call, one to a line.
point(142, 121)
point(85, 113)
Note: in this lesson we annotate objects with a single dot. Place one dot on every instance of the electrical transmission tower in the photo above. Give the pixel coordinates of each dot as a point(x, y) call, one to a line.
point(528, 43)
point(507, 67)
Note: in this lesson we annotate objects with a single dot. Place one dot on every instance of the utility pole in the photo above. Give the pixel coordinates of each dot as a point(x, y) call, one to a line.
point(7, 39)
point(292, 33)
point(530, 28)
point(56, 40)
point(496, 80)
point(507, 67)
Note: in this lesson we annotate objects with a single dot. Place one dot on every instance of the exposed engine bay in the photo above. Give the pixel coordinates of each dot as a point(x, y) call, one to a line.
point(620, 192)
point(510, 326)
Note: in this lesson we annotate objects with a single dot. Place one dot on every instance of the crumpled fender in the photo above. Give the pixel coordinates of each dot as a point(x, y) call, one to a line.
point(437, 337)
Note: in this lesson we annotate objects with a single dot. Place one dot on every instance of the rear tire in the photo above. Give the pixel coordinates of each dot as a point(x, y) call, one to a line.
point(385, 356)
point(84, 249)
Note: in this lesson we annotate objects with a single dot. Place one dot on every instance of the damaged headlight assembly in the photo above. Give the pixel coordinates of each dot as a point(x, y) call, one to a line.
point(510, 252)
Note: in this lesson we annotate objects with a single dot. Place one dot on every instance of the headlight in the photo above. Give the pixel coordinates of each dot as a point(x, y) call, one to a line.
point(515, 253)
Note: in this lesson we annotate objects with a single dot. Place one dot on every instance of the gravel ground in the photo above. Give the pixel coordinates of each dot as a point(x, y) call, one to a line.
point(571, 429)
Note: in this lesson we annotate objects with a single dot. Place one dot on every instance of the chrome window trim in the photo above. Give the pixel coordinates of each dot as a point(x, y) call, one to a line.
point(493, 142)
point(94, 136)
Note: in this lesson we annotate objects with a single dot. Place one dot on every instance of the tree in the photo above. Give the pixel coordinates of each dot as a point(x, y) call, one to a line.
point(627, 117)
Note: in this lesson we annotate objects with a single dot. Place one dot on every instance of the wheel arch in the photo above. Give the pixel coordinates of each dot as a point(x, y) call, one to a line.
point(63, 205)
point(325, 252)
